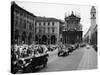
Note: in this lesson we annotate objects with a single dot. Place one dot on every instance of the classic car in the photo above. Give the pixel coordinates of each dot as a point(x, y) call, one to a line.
point(63, 51)
point(30, 64)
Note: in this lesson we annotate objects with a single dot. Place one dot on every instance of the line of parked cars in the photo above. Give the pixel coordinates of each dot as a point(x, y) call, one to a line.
point(64, 50)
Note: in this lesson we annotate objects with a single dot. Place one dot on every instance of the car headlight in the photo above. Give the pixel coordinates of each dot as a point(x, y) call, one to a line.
point(21, 63)
point(30, 59)
point(14, 62)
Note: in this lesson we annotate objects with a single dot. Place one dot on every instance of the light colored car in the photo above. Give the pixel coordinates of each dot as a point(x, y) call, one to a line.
point(87, 46)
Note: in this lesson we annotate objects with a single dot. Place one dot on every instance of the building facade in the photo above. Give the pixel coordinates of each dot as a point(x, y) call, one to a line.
point(22, 25)
point(46, 30)
point(91, 35)
point(61, 27)
point(72, 32)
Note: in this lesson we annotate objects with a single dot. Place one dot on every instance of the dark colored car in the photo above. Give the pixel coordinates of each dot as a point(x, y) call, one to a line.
point(63, 52)
point(82, 45)
point(30, 64)
point(71, 48)
point(36, 63)
point(76, 46)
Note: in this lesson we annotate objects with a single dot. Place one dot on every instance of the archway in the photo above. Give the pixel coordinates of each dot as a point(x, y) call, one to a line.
point(24, 37)
point(44, 39)
point(53, 39)
point(16, 36)
point(30, 38)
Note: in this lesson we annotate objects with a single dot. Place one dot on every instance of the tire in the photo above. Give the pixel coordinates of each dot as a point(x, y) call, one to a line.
point(44, 65)
point(29, 69)
point(58, 53)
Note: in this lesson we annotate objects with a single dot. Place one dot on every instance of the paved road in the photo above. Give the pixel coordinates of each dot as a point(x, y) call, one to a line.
point(89, 60)
point(80, 59)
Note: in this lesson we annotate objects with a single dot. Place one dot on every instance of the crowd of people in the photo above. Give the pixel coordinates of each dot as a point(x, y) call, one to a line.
point(22, 51)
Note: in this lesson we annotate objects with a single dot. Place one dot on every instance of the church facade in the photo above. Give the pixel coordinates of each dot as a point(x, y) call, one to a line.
point(72, 32)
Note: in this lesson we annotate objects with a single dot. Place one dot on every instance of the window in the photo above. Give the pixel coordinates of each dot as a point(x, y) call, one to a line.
point(48, 23)
point(35, 23)
point(44, 30)
point(30, 26)
point(43, 23)
point(36, 30)
point(53, 29)
point(17, 11)
point(27, 25)
point(93, 15)
point(24, 24)
point(20, 21)
point(48, 30)
point(40, 30)
point(53, 23)
point(27, 16)
point(20, 12)
point(16, 20)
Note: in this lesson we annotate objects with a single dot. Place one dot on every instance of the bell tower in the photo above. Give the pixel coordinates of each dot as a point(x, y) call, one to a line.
point(93, 16)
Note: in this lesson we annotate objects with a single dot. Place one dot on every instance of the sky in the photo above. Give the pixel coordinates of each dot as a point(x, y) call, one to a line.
point(58, 11)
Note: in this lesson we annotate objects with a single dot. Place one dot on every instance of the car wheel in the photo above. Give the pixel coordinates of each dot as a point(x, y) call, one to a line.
point(58, 54)
point(44, 65)
point(29, 69)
